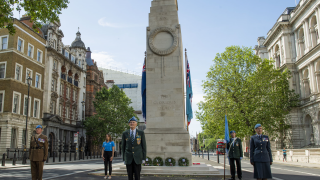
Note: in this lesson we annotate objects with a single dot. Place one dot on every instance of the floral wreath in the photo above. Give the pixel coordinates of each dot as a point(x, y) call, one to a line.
point(148, 162)
point(183, 161)
point(157, 161)
point(170, 161)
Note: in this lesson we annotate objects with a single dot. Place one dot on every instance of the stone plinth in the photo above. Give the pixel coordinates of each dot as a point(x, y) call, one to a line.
point(166, 135)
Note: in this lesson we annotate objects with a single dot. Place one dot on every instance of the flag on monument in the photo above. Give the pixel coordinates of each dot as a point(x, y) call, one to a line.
point(144, 92)
point(226, 130)
point(189, 94)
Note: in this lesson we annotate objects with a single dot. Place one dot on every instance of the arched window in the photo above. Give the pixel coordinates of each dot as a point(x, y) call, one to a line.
point(314, 31)
point(278, 57)
point(301, 42)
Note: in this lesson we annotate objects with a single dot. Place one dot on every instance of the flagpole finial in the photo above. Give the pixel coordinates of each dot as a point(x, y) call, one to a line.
point(145, 53)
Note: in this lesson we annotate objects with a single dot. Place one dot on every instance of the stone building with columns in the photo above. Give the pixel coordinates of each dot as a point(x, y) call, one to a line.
point(64, 90)
point(293, 43)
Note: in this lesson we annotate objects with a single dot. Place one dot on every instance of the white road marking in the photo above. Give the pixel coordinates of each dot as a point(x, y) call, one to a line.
point(252, 172)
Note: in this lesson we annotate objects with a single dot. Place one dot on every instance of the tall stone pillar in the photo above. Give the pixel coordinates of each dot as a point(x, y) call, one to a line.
point(166, 133)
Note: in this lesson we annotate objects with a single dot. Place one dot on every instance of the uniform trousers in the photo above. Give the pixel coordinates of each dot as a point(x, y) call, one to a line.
point(36, 169)
point(107, 155)
point(233, 168)
point(133, 168)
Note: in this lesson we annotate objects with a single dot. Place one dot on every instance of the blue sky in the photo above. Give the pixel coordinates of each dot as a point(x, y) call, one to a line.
point(115, 31)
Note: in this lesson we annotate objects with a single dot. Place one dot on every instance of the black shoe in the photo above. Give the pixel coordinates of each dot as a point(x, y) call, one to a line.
point(240, 178)
point(231, 179)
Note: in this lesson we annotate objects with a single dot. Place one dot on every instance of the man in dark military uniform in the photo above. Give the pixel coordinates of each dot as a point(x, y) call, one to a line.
point(38, 153)
point(134, 149)
point(235, 154)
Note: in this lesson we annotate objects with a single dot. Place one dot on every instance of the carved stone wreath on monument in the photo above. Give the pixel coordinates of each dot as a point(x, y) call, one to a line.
point(170, 49)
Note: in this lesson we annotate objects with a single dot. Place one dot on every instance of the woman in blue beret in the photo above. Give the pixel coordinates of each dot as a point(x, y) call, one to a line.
point(260, 154)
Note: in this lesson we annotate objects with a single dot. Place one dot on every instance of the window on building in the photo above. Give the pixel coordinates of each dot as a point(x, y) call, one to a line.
point(39, 55)
point(20, 45)
point(13, 138)
point(67, 112)
point(38, 81)
point(79, 63)
point(53, 85)
point(60, 110)
point(66, 54)
point(82, 63)
point(16, 103)
point(61, 89)
point(36, 108)
point(3, 70)
point(18, 74)
point(24, 137)
point(1, 100)
point(4, 42)
point(28, 74)
point(67, 93)
point(72, 59)
point(25, 105)
point(30, 50)
point(52, 107)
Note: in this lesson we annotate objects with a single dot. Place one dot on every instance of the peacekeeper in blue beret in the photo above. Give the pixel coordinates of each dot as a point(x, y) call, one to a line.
point(38, 153)
point(260, 154)
point(235, 153)
point(134, 149)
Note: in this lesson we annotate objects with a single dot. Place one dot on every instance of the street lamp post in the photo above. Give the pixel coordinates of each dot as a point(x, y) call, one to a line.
point(83, 118)
point(24, 160)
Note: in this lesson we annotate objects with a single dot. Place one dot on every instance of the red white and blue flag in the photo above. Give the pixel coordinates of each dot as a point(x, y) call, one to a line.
point(144, 92)
point(189, 94)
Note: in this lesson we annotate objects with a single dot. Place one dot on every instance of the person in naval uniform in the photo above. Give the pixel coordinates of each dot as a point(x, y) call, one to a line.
point(134, 149)
point(260, 154)
point(235, 153)
point(38, 153)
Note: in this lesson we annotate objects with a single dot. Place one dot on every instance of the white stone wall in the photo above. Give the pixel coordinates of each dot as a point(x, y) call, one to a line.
point(293, 42)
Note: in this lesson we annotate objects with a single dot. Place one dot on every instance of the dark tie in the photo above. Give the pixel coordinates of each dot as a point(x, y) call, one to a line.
point(132, 137)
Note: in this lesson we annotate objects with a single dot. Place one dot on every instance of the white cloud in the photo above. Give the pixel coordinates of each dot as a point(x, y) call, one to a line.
point(105, 60)
point(103, 22)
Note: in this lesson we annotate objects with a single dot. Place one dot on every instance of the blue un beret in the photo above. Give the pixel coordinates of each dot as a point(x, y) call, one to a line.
point(133, 119)
point(232, 132)
point(257, 125)
point(39, 126)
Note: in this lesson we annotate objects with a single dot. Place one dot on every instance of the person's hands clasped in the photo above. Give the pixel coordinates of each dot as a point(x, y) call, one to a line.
point(252, 163)
point(111, 158)
point(103, 158)
point(270, 163)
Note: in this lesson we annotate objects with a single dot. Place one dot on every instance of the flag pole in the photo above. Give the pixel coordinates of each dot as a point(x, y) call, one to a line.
point(225, 151)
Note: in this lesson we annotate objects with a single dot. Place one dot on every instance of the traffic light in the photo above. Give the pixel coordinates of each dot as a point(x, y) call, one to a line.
point(201, 147)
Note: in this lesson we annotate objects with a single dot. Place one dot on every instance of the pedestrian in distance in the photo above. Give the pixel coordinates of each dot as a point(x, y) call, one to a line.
point(38, 153)
point(235, 154)
point(284, 154)
point(107, 155)
point(134, 149)
point(260, 154)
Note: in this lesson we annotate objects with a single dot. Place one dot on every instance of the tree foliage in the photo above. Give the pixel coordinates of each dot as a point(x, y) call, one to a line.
point(249, 90)
point(113, 112)
point(208, 140)
point(41, 11)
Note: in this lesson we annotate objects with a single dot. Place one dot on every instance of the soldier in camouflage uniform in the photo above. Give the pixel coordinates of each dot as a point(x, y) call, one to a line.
point(38, 153)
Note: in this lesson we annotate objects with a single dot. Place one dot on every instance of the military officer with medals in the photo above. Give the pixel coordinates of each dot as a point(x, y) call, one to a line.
point(235, 153)
point(260, 154)
point(134, 149)
point(38, 153)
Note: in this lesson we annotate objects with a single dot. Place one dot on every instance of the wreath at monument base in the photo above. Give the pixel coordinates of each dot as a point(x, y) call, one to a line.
point(157, 161)
point(148, 162)
point(170, 161)
point(183, 161)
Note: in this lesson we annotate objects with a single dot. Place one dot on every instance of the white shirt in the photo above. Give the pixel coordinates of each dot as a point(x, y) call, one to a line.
point(134, 133)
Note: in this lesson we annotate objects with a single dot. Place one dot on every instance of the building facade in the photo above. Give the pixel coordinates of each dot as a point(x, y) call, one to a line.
point(131, 85)
point(21, 55)
point(293, 43)
point(64, 90)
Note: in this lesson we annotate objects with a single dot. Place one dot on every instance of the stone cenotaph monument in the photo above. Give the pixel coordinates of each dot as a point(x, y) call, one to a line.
point(166, 133)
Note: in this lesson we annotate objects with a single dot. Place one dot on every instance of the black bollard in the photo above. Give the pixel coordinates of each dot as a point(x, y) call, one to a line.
point(87, 155)
point(8, 153)
point(14, 159)
point(83, 156)
point(48, 158)
point(208, 155)
point(59, 156)
point(54, 157)
point(218, 157)
point(75, 156)
point(199, 152)
point(65, 156)
point(3, 160)
point(70, 156)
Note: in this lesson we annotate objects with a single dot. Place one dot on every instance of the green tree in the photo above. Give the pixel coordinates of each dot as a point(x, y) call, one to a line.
point(41, 11)
point(113, 112)
point(249, 90)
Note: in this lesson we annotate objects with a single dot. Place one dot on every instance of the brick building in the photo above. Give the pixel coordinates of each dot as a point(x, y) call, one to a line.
point(21, 55)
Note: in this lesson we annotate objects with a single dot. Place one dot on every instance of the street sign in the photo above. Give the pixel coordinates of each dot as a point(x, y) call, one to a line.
point(75, 140)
